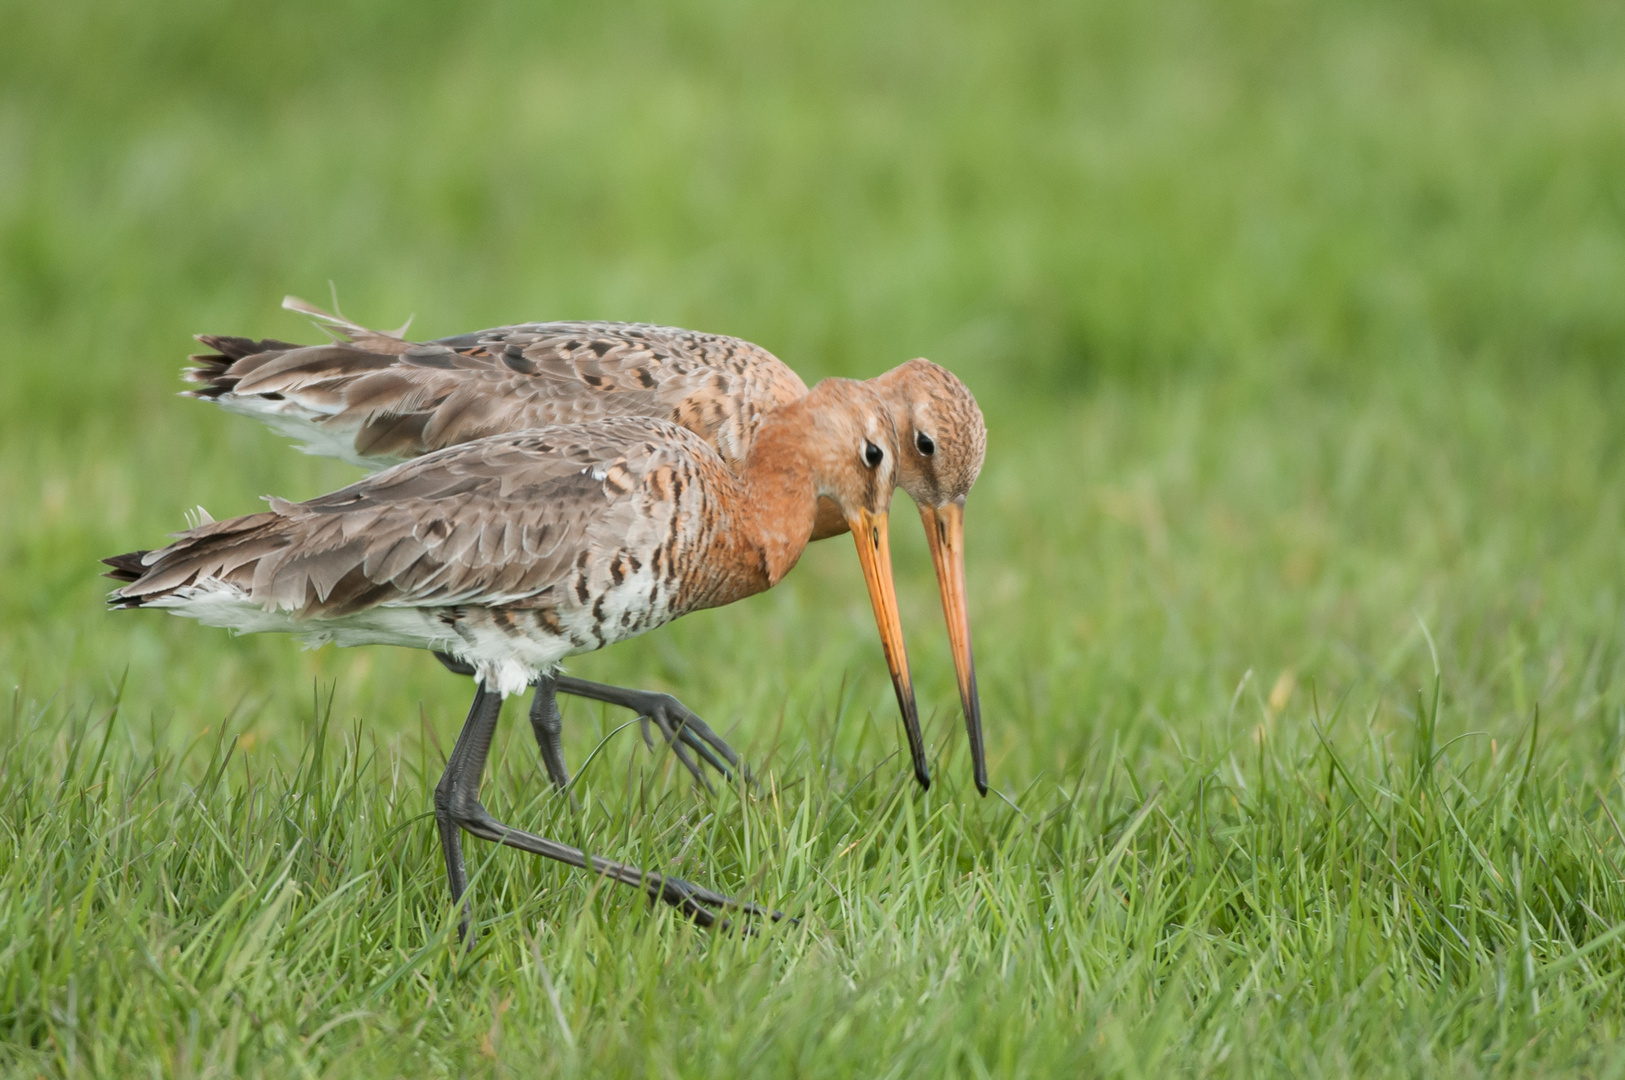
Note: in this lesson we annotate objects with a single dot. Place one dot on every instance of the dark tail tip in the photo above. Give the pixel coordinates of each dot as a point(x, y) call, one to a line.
point(213, 370)
point(235, 348)
point(126, 567)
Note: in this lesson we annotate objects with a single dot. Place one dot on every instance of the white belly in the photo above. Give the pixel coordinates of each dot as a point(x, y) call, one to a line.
point(507, 653)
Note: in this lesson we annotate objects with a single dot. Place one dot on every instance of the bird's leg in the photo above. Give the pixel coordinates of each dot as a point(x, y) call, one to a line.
point(457, 806)
point(454, 665)
point(481, 722)
point(677, 723)
point(682, 729)
point(545, 722)
point(548, 726)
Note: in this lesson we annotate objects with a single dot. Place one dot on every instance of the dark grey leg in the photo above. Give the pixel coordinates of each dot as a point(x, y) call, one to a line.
point(454, 665)
point(548, 727)
point(681, 728)
point(457, 806)
point(686, 732)
point(545, 722)
point(482, 716)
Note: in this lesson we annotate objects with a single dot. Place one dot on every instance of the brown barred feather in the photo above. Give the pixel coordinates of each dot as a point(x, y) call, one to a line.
point(429, 396)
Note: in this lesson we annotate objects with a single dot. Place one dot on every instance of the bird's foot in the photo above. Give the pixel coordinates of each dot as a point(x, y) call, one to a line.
point(685, 732)
point(705, 906)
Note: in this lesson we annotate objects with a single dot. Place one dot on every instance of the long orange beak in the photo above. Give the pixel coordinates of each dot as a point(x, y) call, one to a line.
point(874, 552)
point(945, 531)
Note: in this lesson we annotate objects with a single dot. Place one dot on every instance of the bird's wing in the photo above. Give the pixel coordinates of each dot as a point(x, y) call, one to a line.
point(392, 400)
point(494, 522)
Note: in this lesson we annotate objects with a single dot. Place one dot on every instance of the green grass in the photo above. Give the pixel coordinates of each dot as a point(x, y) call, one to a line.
point(1298, 330)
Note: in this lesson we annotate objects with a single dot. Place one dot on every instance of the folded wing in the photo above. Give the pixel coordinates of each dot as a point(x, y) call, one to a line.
point(376, 399)
point(497, 522)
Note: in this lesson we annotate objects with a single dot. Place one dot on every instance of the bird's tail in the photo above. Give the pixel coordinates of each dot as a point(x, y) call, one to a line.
point(126, 568)
point(217, 373)
point(225, 553)
point(213, 371)
point(384, 341)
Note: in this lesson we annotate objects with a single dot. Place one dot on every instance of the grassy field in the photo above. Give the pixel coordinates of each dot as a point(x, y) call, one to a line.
point(1298, 329)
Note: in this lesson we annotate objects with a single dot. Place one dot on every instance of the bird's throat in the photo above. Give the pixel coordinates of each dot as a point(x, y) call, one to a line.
point(781, 499)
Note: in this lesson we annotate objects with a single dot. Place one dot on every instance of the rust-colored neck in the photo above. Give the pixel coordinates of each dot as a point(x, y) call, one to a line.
point(780, 490)
point(830, 521)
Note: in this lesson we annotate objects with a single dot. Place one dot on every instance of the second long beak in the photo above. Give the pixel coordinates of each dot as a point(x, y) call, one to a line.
point(874, 552)
point(945, 531)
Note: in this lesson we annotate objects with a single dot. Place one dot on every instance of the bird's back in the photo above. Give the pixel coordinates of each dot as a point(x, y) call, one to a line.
point(377, 400)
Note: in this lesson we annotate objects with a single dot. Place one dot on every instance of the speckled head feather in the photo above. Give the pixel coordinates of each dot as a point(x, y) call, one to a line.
point(943, 437)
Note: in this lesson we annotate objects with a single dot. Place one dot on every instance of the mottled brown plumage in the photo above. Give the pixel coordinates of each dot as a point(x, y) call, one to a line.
point(376, 399)
point(514, 551)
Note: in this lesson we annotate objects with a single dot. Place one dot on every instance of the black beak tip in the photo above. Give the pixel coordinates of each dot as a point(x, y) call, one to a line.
point(923, 777)
point(981, 786)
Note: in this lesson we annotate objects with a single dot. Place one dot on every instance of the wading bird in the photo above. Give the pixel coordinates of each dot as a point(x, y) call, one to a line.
point(514, 551)
point(375, 399)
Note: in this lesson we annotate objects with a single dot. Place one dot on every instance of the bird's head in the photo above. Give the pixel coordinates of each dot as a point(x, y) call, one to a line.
point(942, 443)
point(852, 446)
point(942, 439)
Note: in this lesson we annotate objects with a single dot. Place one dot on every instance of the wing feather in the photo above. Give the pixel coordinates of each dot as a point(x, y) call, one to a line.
point(392, 399)
point(491, 522)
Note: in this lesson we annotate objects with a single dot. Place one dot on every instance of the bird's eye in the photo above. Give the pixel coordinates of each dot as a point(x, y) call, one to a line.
point(923, 443)
point(872, 454)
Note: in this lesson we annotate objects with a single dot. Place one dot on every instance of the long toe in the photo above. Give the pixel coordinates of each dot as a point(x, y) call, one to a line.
point(686, 731)
point(681, 716)
point(687, 897)
point(703, 905)
point(707, 755)
point(678, 748)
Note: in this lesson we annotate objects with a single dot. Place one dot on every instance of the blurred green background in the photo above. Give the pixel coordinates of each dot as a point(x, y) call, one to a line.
point(1289, 320)
point(1297, 326)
